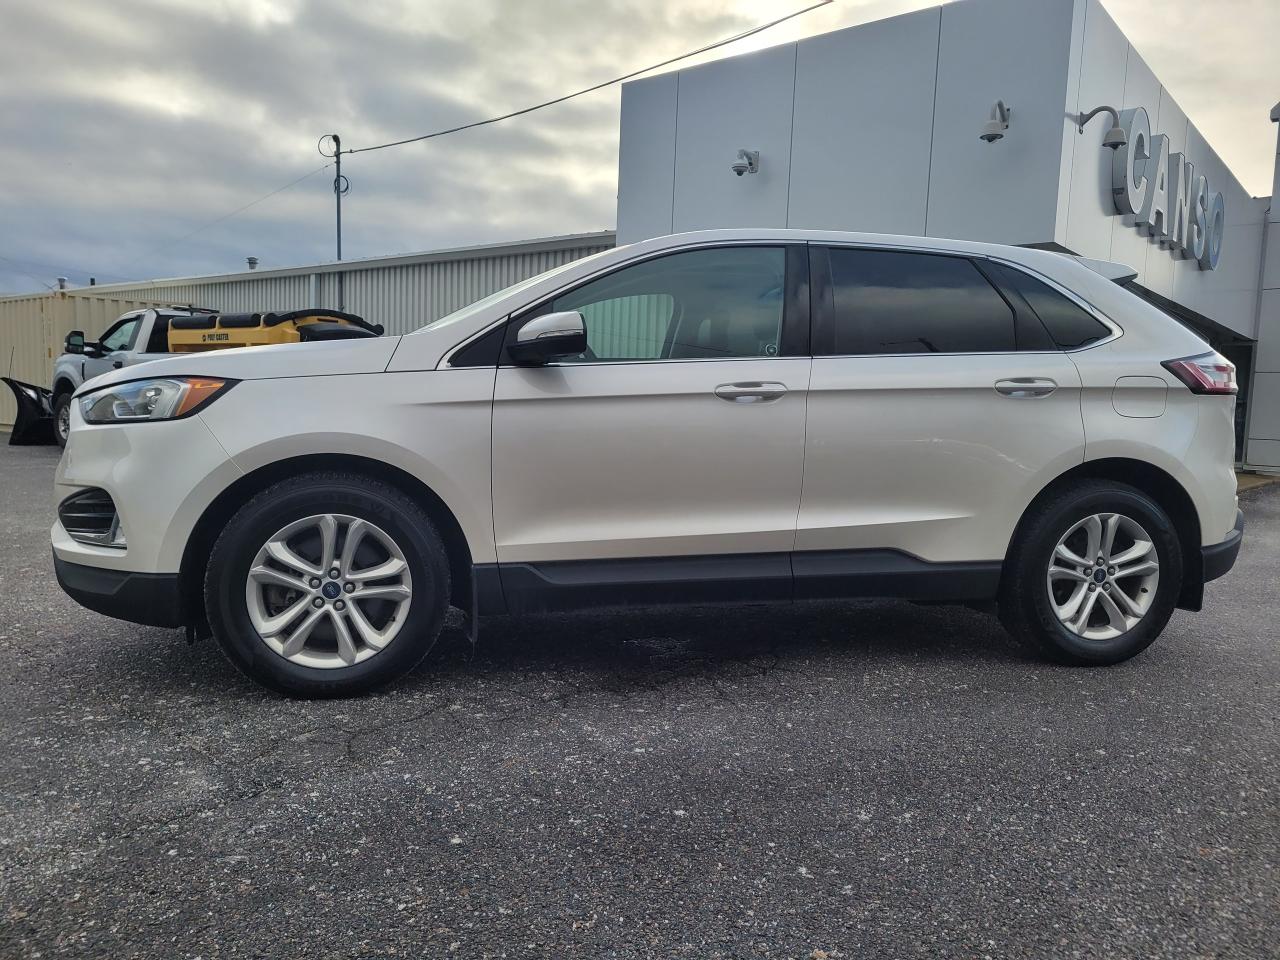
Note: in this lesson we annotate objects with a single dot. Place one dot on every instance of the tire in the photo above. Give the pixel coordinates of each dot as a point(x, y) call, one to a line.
point(61, 417)
point(393, 529)
point(1039, 585)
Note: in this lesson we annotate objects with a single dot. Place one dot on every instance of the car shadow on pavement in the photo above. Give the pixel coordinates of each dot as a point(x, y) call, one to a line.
point(630, 647)
point(861, 631)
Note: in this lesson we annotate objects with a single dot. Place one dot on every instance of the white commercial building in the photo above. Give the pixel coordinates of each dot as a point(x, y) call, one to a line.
point(879, 128)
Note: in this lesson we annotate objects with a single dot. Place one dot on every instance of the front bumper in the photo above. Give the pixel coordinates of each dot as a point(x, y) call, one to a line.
point(1221, 557)
point(161, 477)
point(152, 599)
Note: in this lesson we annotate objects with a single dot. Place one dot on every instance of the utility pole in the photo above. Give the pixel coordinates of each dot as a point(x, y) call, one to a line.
point(340, 187)
point(337, 185)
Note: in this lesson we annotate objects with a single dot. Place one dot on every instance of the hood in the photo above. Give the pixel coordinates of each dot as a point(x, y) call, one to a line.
point(323, 358)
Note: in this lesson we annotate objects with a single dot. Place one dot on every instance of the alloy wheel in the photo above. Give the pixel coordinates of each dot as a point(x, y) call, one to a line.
point(1103, 576)
point(329, 591)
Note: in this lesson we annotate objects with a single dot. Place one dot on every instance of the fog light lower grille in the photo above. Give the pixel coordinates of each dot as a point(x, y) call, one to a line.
point(90, 517)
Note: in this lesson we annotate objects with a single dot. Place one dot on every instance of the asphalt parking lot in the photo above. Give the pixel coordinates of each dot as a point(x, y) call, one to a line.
point(852, 780)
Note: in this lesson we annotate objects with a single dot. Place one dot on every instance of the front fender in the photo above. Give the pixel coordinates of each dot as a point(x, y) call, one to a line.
point(434, 426)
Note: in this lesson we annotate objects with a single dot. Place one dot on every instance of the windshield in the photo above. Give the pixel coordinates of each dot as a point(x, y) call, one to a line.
point(472, 309)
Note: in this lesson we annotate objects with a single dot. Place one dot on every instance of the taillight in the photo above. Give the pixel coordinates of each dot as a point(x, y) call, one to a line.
point(1206, 373)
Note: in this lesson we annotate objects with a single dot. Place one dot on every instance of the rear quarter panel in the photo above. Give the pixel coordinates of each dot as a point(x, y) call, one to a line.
point(1191, 439)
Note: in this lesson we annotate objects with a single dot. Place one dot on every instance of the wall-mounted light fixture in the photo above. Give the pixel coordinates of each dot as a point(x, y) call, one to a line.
point(994, 128)
point(1114, 138)
point(748, 162)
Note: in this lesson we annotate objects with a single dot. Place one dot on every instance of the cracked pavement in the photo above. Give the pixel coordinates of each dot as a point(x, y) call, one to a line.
point(855, 780)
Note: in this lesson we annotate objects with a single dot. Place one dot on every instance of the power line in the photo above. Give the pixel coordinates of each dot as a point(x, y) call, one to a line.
point(480, 123)
point(18, 267)
point(237, 210)
point(69, 268)
point(595, 87)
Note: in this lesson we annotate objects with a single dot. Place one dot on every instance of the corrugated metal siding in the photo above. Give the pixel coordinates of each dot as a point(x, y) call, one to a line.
point(22, 337)
point(629, 328)
point(402, 297)
point(236, 296)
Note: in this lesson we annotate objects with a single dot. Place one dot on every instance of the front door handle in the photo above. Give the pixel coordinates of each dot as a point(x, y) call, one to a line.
point(1025, 388)
point(753, 392)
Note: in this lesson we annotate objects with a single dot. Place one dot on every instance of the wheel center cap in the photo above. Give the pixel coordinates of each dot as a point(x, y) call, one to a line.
point(332, 590)
point(1099, 576)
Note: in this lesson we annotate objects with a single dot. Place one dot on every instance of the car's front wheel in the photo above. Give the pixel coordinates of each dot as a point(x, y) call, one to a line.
point(328, 584)
point(1093, 574)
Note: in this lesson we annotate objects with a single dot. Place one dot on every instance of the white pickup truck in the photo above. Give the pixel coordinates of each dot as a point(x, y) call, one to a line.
point(155, 332)
point(135, 337)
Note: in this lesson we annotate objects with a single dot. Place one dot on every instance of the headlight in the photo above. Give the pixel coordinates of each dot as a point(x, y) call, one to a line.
point(158, 399)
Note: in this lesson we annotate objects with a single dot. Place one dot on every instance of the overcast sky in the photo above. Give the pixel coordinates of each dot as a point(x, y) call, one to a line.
point(125, 125)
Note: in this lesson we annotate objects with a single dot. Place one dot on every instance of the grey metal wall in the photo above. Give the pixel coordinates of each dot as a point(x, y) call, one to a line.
point(400, 296)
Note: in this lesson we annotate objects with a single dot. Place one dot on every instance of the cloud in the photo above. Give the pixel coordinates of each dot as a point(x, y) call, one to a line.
point(130, 124)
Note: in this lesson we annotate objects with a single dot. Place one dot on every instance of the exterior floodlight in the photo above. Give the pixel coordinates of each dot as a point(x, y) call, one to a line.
point(994, 128)
point(1115, 138)
point(748, 162)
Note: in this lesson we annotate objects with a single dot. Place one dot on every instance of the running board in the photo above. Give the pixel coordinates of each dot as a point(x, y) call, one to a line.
point(517, 588)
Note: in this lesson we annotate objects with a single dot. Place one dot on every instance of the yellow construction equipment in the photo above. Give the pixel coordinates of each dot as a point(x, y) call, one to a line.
point(220, 331)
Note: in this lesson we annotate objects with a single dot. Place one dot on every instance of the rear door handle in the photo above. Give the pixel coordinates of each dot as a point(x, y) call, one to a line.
point(752, 392)
point(1025, 388)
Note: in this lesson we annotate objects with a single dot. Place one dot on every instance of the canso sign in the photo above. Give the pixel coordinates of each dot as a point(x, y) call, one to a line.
point(1165, 196)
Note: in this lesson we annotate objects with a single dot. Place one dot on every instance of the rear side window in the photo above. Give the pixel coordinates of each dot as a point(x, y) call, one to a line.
point(885, 301)
point(1070, 325)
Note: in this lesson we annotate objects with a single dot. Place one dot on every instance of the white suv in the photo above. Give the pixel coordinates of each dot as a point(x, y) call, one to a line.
point(731, 415)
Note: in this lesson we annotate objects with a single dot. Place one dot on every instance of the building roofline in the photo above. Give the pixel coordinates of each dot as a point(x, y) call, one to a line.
point(476, 251)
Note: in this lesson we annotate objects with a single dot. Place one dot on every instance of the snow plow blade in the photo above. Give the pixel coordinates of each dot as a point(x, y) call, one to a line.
point(34, 422)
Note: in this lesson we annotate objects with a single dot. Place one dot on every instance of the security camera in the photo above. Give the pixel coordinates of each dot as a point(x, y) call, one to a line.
point(994, 128)
point(1115, 137)
point(748, 162)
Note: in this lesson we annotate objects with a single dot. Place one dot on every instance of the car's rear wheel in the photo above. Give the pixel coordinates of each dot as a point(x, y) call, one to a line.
point(62, 418)
point(328, 584)
point(1093, 575)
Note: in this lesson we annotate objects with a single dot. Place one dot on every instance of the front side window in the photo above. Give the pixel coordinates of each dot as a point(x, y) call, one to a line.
point(886, 301)
point(121, 336)
point(700, 304)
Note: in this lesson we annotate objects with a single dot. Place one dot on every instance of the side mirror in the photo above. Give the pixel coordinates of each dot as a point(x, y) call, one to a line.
point(74, 342)
point(549, 337)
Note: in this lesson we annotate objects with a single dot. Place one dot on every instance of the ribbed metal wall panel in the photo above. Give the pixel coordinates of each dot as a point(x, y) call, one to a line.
point(629, 328)
point(234, 296)
point(402, 294)
point(405, 297)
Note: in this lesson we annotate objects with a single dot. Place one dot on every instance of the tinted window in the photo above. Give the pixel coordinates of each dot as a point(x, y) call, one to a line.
point(724, 302)
point(890, 302)
point(1069, 324)
point(158, 342)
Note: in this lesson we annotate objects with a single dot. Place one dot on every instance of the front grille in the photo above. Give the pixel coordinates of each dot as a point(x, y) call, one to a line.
point(90, 517)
